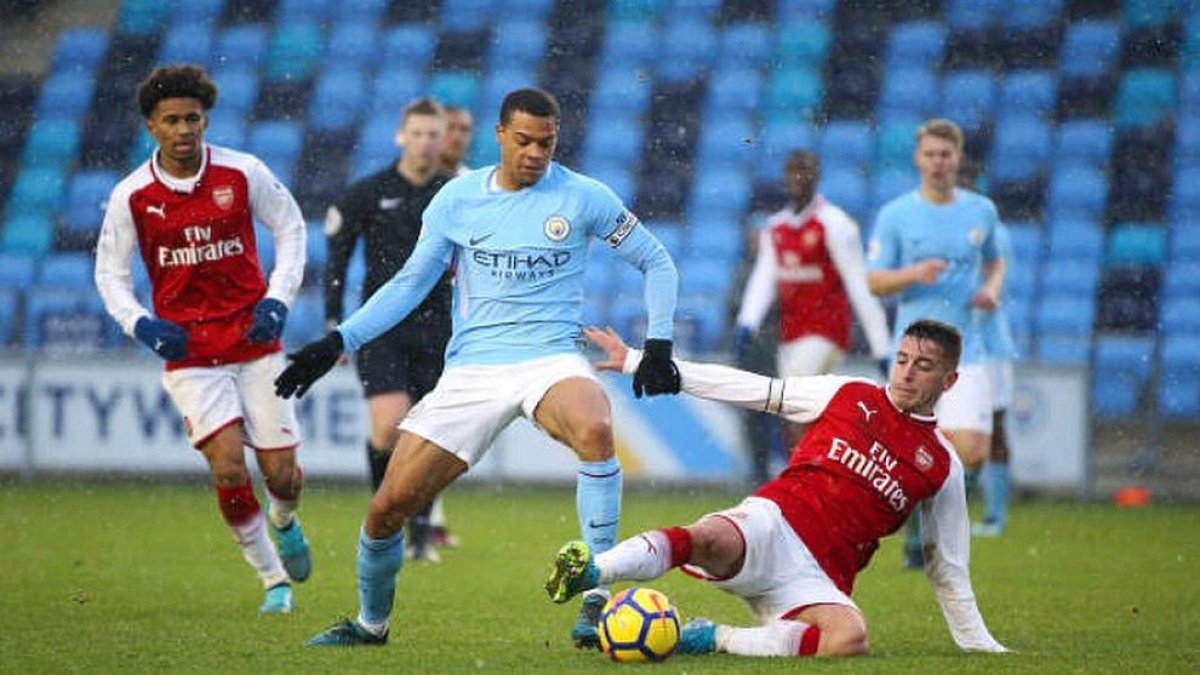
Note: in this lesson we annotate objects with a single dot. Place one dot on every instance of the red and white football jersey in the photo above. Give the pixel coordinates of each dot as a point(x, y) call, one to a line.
point(812, 261)
point(860, 470)
point(196, 238)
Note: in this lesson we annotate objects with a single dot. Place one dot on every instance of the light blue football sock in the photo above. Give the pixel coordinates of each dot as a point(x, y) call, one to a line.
point(598, 503)
point(995, 481)
point(379, 561)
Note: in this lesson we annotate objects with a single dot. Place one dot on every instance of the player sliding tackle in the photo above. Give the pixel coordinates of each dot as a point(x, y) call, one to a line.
point(793, 548)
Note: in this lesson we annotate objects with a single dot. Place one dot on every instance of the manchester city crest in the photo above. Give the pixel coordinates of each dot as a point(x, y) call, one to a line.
point(556, 228)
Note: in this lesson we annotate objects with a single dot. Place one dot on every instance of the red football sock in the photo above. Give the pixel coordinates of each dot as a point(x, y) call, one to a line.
point(238, 504)
point(681, 545)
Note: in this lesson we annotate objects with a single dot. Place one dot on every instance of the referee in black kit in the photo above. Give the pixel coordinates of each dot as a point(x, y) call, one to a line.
point(402, 365)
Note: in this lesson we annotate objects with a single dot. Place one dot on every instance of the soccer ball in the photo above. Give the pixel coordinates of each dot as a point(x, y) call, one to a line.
point(639, 624)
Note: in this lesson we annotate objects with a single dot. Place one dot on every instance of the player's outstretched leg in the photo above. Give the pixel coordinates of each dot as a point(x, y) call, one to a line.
point(347, 633)
point(574, 571)
point(278, 600)
point(699, 636)
point(293, 549)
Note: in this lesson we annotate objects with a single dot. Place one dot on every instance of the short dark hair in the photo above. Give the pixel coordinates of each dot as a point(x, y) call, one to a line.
point(941, 334)
point(176, 81)
point(422, 106)
point(536, 102)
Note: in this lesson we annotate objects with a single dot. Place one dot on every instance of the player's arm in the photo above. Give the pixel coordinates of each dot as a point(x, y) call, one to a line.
point(946, 532)
point(273, 205)
point(994, 267)
point(845, 247)
point(886, 276)
point(799, 399)
point(341, 234)
point(636, 245)
point(114, 264)
point(760, 290)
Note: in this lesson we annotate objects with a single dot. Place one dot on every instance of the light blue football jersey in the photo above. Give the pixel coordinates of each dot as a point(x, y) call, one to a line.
point(998, 341)
point(518, 259)
point(909, 229)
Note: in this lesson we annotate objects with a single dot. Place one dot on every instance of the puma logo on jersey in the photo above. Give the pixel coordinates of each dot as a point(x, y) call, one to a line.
point(160, 210)
point(867, 412)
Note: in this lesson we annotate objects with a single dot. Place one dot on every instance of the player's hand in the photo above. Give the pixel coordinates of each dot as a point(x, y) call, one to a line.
point(269, 316)
point(657, 373)
point(331, 325)
point(928, 270)
point(742, 336)
point(168, 340)
point(614, 347)
point(985, 299)
point(308, 365)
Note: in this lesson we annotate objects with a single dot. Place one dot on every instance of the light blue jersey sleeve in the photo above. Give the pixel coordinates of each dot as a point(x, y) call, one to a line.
point(883, 250)
point(990, 251)
point(997, 331)
point(621, 231)
point(403, 292)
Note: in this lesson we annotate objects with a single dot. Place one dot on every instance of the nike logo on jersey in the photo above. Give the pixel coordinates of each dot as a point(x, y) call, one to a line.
point(475, 241)
point(160, 211)
point(595, 526)
point(389, 203)
point(867, 412)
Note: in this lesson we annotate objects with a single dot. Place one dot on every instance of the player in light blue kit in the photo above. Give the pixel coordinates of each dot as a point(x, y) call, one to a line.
point(516, 236)
point(936, 248)
point(1001, 350)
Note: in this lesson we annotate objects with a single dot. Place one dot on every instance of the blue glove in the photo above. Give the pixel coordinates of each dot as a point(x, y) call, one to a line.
point(742, 336)
point(269, 317)
point(166, 339)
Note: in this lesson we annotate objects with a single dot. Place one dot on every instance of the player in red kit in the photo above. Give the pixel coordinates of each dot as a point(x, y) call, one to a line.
point(188, 212)
point(810, 258)
point(793, 549)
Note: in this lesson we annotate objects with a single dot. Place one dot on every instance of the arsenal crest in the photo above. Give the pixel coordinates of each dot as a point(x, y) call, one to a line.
point(923, 459)
point(223, 196)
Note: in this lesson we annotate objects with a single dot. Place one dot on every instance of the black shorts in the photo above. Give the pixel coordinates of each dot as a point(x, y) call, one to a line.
point(391, 363)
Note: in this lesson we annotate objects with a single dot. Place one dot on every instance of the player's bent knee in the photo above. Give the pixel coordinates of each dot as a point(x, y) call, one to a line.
point(594, 440)
point(844, 641)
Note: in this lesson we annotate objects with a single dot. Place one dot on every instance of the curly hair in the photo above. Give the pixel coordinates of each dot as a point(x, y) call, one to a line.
point(175, 81)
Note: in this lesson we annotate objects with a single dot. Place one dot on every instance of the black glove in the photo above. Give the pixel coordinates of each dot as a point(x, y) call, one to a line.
point(269, 316)
point(657, 373)
point(308, 365)
point(167, 339)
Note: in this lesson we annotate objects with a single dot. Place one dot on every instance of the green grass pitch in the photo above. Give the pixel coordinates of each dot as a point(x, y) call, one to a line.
point(136, 577)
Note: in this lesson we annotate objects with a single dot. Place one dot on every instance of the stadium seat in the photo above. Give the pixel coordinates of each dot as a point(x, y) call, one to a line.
point(1089, 48)
point(408, 47)
point(1028, 15)
point(276, 140)
point(733, 91)
point(619, 89)
point(294, 51)
point(745, 45)
point(353, 43)
point(66, 270)
point(1077, 277)
point(1063, 350)
point(17, 270)
point(802, 44)
point(206, 12)
point(29, 233)
point(1031, 92)
point(67, 320)
point(466, 16)
point(722, 242)
point(65, 96)
point(720, 188)
point(306, 318)
point(895, 143)
point(1145, 97)
point(727, 140)
point(37, 190)
point(189, 43)
point(1020, 149)
point(1025, 240)
point(1066, 313)
point(1084, 141)
point(805, 10)
point(51, 144)
point(908, 90)
point(309, 11)
point(635, 11)
point(1137, 244)
point(967, 97)
point(846, 187)
point(338, 100)
point(10, 303)
point(1179, 388)
point(241, 46)
point(1121, 368)
point(631, 44)
point(613, 138)
point(972, 15)
point(689, 47)
point(1074, 240)
point(1080, 189)
point(79, 49)
point(670, 235)
point(847, 143)
point(703, 276)
point(518, 42)
point(794, 92)
point(889, 183)
point(455, 87)
point(142, 17)
point(916, 44)
point(1180, 315)
point(224, 128)
point(83, 208)
point(1148, 13)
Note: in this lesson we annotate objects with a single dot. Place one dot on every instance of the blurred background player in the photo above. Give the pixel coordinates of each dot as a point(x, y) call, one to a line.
point(810, 257)
point(792, 550)
point(995, 477)
point(460, 129)
point(936, 248)
point(188, 211)
point(402, 365)
point(518, 234)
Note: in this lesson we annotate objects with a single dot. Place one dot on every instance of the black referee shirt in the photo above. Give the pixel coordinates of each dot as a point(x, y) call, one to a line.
point(385, 209)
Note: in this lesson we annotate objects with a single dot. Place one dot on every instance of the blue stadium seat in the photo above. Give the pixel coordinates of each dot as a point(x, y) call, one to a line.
point(455, 87)
point(1182, 279)
point(66, 270)
point(1032, 91)
point(142, 17)
point(1020, 149)
point(631, 44)
point(908, 90)
point(620, 89)
point(189, 43)
point(1179, 389)
point(239, 87)
point(197, 12)
point(463, 16)
point(847, 143)
point(704, 276)
point(408, 46)
point(1089, 48)
point(1137, 244)
point(518, 42)
point(613, 138)
point(17, 270)
point(896, 141)
point(1149, 13)
point(794, 92)
point(532, 8)
point(846, 187)
point(1145, 97)
point(889, 183)
point(635, 11)
point(338, 100)
point(392, 90)
point(1077, 241)
point(79, 49)
point(225, 128)
point(306, 318)
point(353, 43)
point(294, 51)
point(733, 90)
point(719, 241)
point(967, 97)
point(1079, 189)
point(51, 144)
point(83, 208)
point(805, 10)
point(916, 44)
point(745, 45)
point(1185, 242)
point(1063, 350)
point(1077, 277)
point(10, 303)
point(67, 320)
point(972, 15)
point(36, 190)
point(803, 43)
point(727, 139)
point(1185, 195)
point(28, 233)
point(1187, 134)
point(241, 46)
point(276, 142)
point(1084, 141)
point(1180, 315)
point(1065, 313)
point(1020, 281)
point(498, 83)
point(1027, 15)
point(65, 95)
point(369, 11)
point(689, 48)
point(700, 324)
point(315, 245)
point(1121, 368)
point(720, 188)
point(308, 11)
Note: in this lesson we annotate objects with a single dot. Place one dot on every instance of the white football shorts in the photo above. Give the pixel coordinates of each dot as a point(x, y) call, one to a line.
point(472, 404)
point(968, 404)
point(809, 355)
point(1000, 374)
point(779, 575)
point(212, 398)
